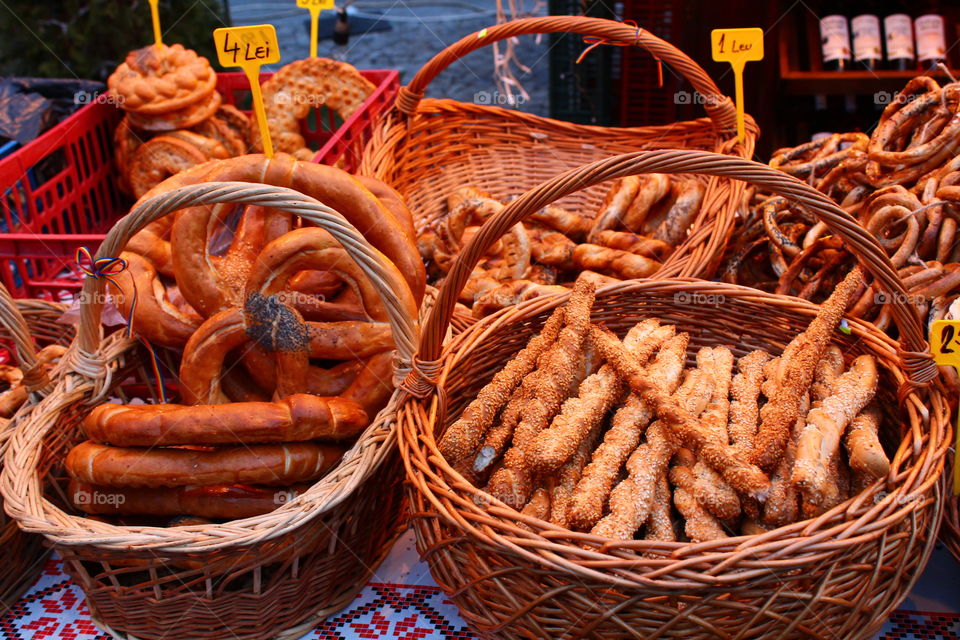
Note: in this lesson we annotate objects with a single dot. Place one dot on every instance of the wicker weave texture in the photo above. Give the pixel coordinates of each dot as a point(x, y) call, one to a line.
point(426, 148)
point(270, 576)
point(24, 324)
point(836, 576)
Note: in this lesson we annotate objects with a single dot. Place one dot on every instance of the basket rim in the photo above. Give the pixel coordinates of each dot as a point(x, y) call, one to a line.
point(461, 505)
point(25, 500)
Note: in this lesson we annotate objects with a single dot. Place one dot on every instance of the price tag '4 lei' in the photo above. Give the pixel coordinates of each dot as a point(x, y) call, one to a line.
point(738, 47)
point(248, 48)
point(945, 345)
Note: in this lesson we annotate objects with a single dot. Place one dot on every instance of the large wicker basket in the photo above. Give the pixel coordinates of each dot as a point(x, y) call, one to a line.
point(426, 148)
point(25, 325)
point(271, 576)
point(836, 576)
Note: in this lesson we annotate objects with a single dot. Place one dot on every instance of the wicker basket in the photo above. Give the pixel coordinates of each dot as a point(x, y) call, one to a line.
point(25, 325)
point(271, 576)
point(836, 576)
point(426, 148)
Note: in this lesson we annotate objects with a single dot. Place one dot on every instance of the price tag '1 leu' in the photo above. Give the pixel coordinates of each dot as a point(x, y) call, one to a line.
point(945, 345)
point(155, 16)
point(249, 48)
point(315, 7)
point(738, 47)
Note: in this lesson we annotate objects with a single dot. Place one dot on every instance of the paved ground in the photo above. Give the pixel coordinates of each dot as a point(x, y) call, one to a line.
point(419, 30)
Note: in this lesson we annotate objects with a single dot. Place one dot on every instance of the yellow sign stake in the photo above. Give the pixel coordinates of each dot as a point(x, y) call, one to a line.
point(945, 346)
point(738, 47)
point(315, 7)
point(248, 48)
point(155, 15)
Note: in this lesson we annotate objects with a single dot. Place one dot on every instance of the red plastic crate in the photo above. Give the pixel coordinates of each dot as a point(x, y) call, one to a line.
point(59, 192)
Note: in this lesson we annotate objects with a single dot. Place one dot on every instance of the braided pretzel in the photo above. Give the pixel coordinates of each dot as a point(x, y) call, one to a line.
point(155, 316)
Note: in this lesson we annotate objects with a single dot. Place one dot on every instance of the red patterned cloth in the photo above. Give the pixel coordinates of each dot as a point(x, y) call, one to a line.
point(403, 603)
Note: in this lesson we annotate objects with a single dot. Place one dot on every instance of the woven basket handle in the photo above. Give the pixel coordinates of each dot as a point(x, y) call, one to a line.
point(34, 376)
point(382, 273)
point(914, 350)
point(718, 106)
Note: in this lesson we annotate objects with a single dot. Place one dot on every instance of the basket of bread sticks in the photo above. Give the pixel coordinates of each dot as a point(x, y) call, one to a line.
point(441, 153)
point(674, 456)
point(252, 492)
point(34, 342)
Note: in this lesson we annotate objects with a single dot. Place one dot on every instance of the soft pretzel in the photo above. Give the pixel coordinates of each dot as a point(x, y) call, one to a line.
point(267, 464)
point(653, 188)
point(633, 243)
point(299, 86)
point(614, 261)
point(572, 225)
point(155, 316)
point(313, 248)
point(614, 206)
point(864, 450)
point(673, 228)
point(157, 79)
point(211, 283)
point(227, 502)
point(204, 353)
point(331, 186)
point(152, 243)
point(16, 393)
point(295, 418)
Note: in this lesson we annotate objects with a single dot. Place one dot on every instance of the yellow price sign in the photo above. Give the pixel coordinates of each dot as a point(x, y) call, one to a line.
point(945, 346)
point(249, 48)
point(738, 47)
point(155, 16)
point(315, 7)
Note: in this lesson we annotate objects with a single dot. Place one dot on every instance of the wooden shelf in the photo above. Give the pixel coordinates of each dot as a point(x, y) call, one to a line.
point(847, 82)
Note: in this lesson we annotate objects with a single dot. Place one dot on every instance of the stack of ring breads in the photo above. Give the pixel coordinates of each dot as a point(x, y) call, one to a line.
point(640, 223)
point(622, 439)
point(286, 354)
point(174, 118)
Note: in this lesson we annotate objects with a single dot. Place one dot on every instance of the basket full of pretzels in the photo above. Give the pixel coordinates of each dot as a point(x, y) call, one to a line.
point(35, 341)
point(431, 149)
point(676, 457)
point(225, 465)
